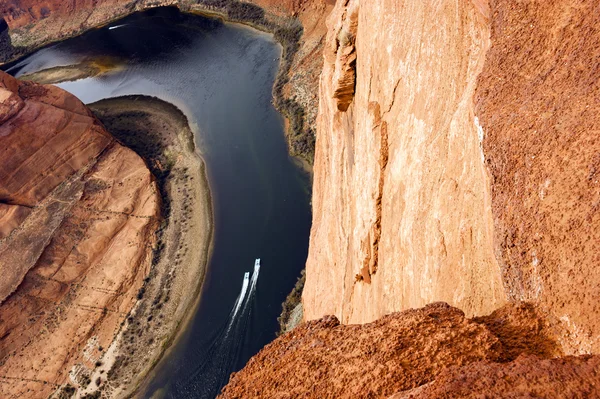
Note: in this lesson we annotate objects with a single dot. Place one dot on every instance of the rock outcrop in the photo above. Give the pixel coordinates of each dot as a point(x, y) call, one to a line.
point(432, 352)
point(78, 214)
point(528, 376)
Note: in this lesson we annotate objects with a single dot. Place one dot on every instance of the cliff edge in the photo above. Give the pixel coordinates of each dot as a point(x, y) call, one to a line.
point(432, 352)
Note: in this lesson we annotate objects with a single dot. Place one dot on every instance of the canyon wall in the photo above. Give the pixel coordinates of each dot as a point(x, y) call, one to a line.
point(401, 200)
point(457, 160)
point(78, 214)
point(537, 99)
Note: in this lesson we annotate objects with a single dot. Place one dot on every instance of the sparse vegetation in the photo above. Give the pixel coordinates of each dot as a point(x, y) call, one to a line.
point(66, 392)
point(293, 299)
point(159, 133)
point(7, 51)
point(93, 395)
point(85, 380)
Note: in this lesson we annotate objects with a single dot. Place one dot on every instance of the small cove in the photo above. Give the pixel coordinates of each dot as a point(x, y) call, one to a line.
point(221, 76)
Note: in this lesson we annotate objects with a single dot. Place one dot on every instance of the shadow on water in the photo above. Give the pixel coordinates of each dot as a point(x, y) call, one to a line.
point(221, 76)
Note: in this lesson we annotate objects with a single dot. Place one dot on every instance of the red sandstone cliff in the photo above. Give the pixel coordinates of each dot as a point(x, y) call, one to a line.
point(78, 215)
point(402, 211)
point(457, 160)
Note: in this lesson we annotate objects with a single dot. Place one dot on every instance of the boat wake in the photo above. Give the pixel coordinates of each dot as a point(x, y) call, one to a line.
point(240, 299)
point(217, 362)
point(116, 26)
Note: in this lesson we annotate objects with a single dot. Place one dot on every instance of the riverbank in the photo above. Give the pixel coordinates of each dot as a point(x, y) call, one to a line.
point(160, 134)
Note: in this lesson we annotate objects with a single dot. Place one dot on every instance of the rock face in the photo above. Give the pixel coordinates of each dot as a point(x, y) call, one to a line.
point(435, 345)
point(401, 199)
point(451, 169)
point(78, 214)
point(528, 376)
point(537, 99)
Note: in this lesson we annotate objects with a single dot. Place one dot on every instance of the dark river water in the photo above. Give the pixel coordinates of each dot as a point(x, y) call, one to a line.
point(221, 76)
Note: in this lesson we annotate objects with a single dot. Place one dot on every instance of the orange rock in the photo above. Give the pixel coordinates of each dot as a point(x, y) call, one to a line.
point(538, 99)
point(401, 351)
point(528, 376)
point(80, 213)
point(11, 216)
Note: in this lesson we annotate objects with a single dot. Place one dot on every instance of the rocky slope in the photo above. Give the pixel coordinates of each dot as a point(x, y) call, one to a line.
point(78, 215)
point(528, 376)
point(433, 352)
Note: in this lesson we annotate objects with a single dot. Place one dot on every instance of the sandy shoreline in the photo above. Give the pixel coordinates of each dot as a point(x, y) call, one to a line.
point(160, 134)
point(71, 73)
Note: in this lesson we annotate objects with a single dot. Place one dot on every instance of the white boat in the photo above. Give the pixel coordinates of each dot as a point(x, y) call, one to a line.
point(255, 275)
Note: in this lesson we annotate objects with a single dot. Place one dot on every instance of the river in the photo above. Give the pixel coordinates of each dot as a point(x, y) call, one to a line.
point(220, 75)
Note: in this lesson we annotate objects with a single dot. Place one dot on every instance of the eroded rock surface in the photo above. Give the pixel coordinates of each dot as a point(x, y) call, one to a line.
point(527, 377)
point(402, 351)
point(537, 100)
point(81, 212)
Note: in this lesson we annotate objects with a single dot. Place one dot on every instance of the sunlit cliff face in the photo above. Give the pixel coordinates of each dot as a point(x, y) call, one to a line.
point(401, 203)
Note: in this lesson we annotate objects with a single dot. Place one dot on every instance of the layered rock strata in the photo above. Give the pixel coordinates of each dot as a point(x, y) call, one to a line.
point(78, 215)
